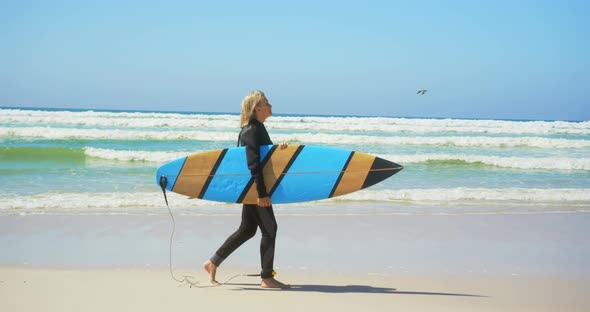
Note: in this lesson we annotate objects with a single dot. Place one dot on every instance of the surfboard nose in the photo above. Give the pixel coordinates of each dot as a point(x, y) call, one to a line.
point(381, 170)
point(169, 171)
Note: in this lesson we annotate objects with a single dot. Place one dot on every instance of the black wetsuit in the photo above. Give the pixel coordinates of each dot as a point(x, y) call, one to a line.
point(252, 137)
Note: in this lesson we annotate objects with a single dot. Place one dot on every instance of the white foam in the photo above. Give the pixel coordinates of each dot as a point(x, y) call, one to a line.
point(115, 200)
point(466, 195)
point(340, 124)
point(458, 141)
point(131, 201)
point(425, 125)
point(130, 155)
point(544, 163)
point(120, 120)
point(53, 133)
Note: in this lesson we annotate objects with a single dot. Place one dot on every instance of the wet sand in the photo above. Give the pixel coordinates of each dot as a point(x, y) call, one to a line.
point(521, 262)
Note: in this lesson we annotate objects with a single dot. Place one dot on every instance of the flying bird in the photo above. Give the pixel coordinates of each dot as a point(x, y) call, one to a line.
point(422, 91)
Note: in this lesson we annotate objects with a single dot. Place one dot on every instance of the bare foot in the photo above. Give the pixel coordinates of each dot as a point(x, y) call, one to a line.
point(211, 270)
point(273, 283)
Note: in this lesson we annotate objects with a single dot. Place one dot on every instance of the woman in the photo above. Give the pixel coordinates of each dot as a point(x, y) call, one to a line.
point(255, 110)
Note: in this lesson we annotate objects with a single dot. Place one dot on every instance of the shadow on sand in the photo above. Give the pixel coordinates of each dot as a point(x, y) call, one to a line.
point(347, 289)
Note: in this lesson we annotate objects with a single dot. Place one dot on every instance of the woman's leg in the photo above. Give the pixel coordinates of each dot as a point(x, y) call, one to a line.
point(246, 231)
point(268, 226)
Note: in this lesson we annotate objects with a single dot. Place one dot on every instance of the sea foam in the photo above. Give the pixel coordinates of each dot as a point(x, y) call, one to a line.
point(308, 123)
point(544, 163)
point(443, 197)
point(52, 133)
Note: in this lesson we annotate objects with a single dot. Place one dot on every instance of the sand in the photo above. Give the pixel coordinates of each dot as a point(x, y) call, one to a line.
point(35, 289)
point(342, 263)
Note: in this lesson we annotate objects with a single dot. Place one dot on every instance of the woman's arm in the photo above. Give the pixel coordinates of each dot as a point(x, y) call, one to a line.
point(249, 140)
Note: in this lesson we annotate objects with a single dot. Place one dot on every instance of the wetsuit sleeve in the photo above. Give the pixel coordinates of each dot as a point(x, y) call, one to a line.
point(249, 139)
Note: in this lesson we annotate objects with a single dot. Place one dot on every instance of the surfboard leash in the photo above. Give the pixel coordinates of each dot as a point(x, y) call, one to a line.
point(187, 279)
point(289, 173)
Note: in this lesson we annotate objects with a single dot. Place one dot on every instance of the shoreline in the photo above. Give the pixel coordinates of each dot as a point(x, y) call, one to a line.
point(512, 244)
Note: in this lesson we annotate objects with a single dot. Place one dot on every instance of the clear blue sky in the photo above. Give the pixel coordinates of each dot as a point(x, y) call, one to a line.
point(478, 59)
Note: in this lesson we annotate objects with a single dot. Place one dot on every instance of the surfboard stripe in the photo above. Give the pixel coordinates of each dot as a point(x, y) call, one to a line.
point(314, 172)
point(232, 175)
point(251, 181)
point(273, 171)
point(212, 173)
point(341, 174)
point(172, 179)
point(381, 169)
point(286, 169)
point(354, 175)
point(190, 180)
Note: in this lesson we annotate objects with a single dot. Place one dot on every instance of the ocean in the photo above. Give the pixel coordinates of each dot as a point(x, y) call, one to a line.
point(65, 161)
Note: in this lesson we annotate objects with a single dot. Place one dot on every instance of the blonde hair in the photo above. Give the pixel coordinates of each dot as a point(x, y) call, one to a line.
point(248, 105)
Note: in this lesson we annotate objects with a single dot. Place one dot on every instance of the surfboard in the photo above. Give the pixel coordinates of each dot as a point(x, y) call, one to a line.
point(298, 173)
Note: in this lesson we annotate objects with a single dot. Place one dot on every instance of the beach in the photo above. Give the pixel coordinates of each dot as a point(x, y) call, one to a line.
point(487, 215)
point(121, 170)
point(463, 262)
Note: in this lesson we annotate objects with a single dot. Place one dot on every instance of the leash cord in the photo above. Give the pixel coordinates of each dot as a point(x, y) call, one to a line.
point(290, 173)
point(186, 279)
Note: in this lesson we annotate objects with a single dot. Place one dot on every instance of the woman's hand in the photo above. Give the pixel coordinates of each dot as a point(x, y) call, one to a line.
point(263, 202)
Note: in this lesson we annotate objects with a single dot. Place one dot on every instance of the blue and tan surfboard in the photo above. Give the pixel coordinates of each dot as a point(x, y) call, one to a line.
point(298, 173)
